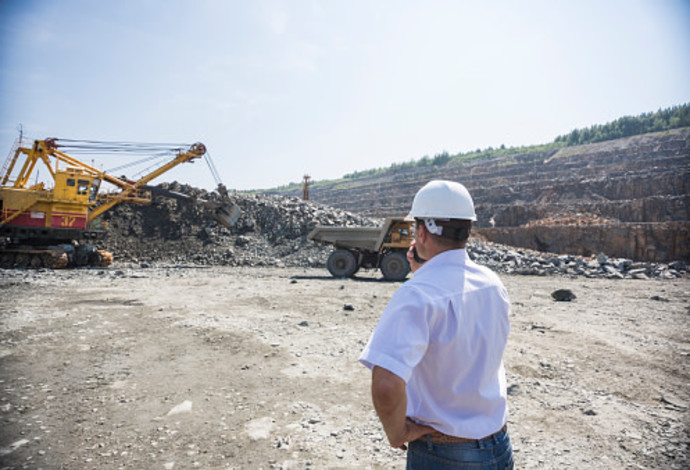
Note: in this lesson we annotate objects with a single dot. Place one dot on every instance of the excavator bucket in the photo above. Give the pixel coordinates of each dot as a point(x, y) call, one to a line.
point(227, 214)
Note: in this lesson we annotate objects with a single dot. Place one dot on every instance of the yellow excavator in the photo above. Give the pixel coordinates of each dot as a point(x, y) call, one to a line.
point(53, 227)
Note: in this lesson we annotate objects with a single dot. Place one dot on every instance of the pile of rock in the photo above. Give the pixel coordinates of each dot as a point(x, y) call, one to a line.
point(521, 261)
point(272, 231)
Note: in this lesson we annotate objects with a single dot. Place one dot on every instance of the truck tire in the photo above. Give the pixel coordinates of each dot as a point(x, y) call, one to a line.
point(342, 263)
point(394, 266)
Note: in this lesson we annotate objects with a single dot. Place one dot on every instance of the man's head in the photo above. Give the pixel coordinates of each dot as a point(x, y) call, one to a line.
point(443, 213)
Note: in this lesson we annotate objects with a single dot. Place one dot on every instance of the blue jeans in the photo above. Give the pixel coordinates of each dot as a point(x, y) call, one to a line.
point(493, 452)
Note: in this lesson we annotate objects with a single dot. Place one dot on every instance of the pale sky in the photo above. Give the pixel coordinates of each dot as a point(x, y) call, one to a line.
point(276, 89)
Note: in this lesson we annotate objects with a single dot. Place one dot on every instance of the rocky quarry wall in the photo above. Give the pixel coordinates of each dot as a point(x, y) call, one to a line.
point(626, 198)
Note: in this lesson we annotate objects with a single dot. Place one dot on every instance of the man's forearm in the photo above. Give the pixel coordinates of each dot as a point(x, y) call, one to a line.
point(390, 402)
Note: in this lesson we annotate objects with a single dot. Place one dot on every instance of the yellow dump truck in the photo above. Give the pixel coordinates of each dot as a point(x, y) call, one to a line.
point(383, 247)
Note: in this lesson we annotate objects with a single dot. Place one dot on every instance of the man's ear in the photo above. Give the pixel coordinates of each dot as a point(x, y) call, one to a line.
point(421, 232)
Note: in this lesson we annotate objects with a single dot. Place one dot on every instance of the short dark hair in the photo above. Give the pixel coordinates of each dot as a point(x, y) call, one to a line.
point(455, 230)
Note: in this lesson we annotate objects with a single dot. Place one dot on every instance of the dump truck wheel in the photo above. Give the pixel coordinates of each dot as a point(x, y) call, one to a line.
point(394, 266)
point(342, 263)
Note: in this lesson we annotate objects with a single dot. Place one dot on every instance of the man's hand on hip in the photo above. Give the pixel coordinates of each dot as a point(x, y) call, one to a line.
point(414, 431)
point(390, 401)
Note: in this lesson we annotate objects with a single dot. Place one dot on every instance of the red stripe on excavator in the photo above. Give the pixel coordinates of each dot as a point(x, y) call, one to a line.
point(28, 219)
point(38, 219)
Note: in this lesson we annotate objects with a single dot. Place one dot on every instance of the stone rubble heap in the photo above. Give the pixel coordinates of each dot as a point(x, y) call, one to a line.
point(521, 261)
point(272, 231)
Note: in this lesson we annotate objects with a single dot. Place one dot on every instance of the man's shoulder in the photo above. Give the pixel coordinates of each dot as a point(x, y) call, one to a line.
point(439, 272)
point(484, 271)
point(490, 277)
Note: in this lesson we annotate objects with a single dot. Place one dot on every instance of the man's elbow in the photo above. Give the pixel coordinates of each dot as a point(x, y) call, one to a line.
point(386, 387)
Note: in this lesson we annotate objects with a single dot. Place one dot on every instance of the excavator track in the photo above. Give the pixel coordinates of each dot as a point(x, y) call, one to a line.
point(54, 257)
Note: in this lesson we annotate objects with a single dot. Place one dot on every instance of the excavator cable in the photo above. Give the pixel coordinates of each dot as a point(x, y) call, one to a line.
point(94, 146)
point(154, 164)
point(137, 162)
point(160, 151)
point(212, 167)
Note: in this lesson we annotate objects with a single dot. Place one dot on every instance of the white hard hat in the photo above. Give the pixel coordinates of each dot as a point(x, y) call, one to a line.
point(440, 199)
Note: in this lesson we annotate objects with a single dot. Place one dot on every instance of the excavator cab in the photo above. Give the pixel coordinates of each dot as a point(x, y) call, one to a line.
point(76, 185)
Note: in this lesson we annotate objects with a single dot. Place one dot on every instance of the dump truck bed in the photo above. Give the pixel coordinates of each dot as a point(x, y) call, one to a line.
point(347, 237)
point(362, 238)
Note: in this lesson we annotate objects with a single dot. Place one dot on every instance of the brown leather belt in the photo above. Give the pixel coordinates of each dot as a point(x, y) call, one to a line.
point(440, 438)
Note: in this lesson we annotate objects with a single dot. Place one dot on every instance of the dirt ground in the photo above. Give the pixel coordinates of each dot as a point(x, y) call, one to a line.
point(249, 368)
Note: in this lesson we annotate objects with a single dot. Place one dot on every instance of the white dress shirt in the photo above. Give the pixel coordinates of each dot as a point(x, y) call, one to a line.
point(443, 333)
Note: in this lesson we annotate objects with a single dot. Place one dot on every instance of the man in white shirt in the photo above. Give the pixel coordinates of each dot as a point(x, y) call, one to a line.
point(438, 381)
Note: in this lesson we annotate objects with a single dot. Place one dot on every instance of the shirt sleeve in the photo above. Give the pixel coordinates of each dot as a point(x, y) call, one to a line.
point(402, 335)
